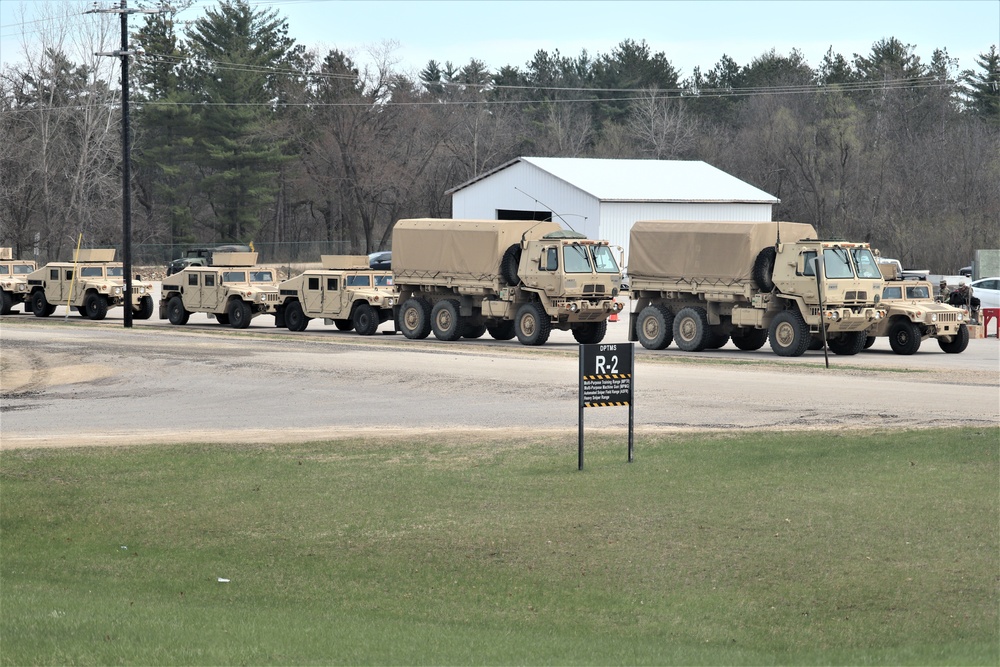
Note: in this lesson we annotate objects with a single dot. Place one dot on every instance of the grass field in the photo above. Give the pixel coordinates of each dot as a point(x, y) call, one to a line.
point(743, 548)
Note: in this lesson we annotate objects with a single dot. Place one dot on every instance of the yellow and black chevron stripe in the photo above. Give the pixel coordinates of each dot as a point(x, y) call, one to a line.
point(604, 405)
point(621, 376)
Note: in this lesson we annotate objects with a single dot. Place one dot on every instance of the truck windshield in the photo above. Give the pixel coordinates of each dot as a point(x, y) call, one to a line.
point(234, 276)
point(20, 269)
point(918, 292)
point(383, 281)
point(576, 259)
point(115, 272)
point(867, 266)
point(261, 277)
point(92, 271)
point(837, 263)
point(358, 281)
point(604, 259)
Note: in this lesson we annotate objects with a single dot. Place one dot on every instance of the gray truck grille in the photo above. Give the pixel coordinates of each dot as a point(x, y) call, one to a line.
point(272, 296)
point(856, 296)
point(947, 317)
point(593, 289)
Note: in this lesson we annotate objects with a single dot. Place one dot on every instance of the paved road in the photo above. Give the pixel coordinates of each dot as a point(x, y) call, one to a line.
point(73, 381)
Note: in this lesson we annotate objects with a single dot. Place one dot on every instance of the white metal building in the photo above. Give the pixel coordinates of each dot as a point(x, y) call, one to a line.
point(602, 198)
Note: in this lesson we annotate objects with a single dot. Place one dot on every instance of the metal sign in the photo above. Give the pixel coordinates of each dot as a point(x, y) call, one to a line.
point(606, 381)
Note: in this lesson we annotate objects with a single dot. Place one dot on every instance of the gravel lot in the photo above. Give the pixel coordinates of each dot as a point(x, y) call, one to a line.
point(70, 382)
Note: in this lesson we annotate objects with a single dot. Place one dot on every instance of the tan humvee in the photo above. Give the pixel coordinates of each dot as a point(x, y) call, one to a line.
point(234, 289)
point(914, 315)
point(345, 292)
point(90, 285)
point(13, 280)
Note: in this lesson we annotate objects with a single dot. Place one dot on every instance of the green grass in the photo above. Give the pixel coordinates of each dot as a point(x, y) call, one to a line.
point(799, 548)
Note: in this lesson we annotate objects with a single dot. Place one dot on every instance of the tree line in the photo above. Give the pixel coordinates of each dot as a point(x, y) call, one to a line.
point(243, 135)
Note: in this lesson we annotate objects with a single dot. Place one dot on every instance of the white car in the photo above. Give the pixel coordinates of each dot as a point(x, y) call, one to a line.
point(987, 290)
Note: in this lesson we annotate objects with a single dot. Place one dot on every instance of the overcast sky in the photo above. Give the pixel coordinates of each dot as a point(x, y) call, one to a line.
point(510, 32)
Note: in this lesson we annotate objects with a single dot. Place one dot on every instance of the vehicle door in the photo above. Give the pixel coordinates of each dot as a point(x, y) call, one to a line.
point(191, 289)
point(209, 292)
point(57, 284)
point(333, 296)
point(312, 294)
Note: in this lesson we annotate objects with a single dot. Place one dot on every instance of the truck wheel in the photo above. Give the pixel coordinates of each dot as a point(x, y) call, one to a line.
point(749, 339)
point(343, 325)
point(6, 302)
point(39, 305)
point(145, 309)
point(763, 268)
point(96, 306)
point(716, 340)
point(239, 314)
point(655, 327)
point(365, 319)
point(789, 334)
point(222, 318)
point(175, 311)
point(869, 340)
point(503, 330)
point(816, 343)
point(295, 319)
point(446, 320)
point(473, 330)
point(958, 342)
point(691, 329)
point(848, 344)
point(415, 318)
point(904, 337)
point(532, 324)
point(509, 263)
point(590, 333)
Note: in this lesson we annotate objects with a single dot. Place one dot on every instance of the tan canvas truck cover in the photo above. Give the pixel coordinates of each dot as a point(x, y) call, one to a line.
point(463, 249)
point(96, 255)
point(717, 252)
point(344, 262)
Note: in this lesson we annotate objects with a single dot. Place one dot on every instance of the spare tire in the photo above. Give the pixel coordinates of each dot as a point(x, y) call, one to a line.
point(763, 268)
point(509, 263)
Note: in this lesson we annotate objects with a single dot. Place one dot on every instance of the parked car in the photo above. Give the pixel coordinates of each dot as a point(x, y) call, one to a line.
point(988, 292)
point(380, 260)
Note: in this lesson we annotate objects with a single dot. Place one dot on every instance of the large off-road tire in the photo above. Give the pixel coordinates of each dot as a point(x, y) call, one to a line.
point(691, 329)
point(222, 318)
point(904, 337)
point(869, 340)
point(509, 263)
point(145, 309)
point(789, 334)
point(502, 330)
point(239, 313)
point(763, 268)
point(365, 319)
point(415, 318)
point(175, 311)
point(716, 340)
point(6, 302)
point(532, 324)
point(295, 318)
point(96, 306)
point(816, 343)
point(446, 320)
point(343, 325)
point(749, 339)
point(590, 333)
point(958, 342)
point(655, 327)
point(473, 330)
point(848, 344)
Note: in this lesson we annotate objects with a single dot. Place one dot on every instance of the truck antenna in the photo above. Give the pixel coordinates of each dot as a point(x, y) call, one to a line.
point(777, 231)
point(566, 222)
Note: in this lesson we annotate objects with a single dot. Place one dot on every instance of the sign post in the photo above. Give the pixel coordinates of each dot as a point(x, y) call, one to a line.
point(606, 381)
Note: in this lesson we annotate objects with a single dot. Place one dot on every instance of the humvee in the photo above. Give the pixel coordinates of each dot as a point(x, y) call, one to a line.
point(13, 280)
point(345, 292)
point(914, 315)
point(91, 285)
point(234, 289)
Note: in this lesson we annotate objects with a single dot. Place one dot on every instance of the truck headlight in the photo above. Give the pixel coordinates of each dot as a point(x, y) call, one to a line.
point(142, 289)
point(933, 317)
point(573, 307)
point(22, 287)
point(118, 290)
point(959, 319)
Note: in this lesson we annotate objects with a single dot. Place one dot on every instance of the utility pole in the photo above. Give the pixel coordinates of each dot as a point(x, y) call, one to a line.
point(124, 53)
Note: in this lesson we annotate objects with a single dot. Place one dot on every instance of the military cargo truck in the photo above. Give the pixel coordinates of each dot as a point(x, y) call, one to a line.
point(702, 283)
point(461, 278)
point(90, 285)
point(912, 315)
point(345, 292)
point(234, 290)
point(13, 280)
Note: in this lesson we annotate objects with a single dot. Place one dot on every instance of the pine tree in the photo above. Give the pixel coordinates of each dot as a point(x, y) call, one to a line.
point(983, 88)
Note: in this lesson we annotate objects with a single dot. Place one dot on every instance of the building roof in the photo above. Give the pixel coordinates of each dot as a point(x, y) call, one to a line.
point(642, 180)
